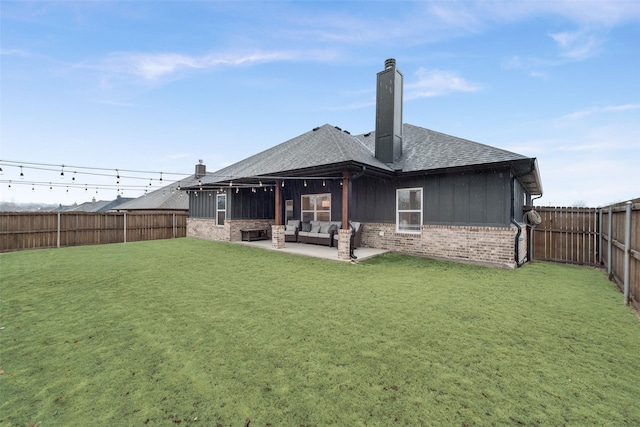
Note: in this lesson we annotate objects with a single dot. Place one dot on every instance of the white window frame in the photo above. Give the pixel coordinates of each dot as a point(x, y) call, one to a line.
point(218, 210)
point(315, 206)
point(399, 227)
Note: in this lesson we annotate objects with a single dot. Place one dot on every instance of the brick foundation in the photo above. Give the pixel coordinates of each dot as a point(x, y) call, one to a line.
point(479, 245)
point(344, 245)
point(277, 236)
point(205, 228)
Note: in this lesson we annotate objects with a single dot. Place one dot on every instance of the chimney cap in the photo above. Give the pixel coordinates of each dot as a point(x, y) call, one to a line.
point(391, 62)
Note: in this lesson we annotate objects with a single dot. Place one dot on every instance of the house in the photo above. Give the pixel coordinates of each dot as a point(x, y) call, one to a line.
point(167, 198)
point(97, 205)
point(413, 190)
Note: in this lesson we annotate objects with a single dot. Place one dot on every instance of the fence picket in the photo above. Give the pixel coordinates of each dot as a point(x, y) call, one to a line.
point(34, 230)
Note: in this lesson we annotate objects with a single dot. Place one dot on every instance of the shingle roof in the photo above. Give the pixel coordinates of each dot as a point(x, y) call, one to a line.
point(422, 150)
point(324, 146)
point(165, 198)
point(99, 205)
point(425, 149)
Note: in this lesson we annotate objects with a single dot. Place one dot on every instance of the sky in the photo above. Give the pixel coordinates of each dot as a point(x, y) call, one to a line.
point(131, 89)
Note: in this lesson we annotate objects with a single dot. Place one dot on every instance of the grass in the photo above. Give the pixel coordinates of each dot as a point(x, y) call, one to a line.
point(194, 332)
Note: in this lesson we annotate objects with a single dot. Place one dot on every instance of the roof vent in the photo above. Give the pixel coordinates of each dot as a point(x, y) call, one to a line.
point(367, 134)
point(389, 63)
point(315, 129)
point(347, 132)
point(337, 127)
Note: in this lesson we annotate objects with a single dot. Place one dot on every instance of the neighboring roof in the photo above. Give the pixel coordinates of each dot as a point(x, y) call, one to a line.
point(422, 150)
point(165, 198)
point(99, 205)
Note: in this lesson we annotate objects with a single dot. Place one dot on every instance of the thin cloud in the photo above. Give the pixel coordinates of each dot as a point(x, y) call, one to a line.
point(437, 83)
point(14, 52)
point(153, 67)
point(577, 45)
point(597, 110)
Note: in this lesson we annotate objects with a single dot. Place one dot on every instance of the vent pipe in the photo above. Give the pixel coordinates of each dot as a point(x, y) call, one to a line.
point(389, 113)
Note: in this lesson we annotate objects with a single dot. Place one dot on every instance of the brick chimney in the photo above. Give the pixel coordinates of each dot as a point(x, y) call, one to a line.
point(389, 113)
point(201, 169)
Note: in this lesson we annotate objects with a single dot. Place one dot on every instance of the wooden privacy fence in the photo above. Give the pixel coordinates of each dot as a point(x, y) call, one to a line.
point(35, 230)
point(620, 243)
point(566, 235)
point(608, 237)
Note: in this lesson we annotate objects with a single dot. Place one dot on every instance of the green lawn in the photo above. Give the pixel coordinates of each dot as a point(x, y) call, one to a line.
point(193, 332)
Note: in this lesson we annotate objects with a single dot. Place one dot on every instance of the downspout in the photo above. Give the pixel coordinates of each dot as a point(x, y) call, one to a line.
point(514, 222)
point(513, 218)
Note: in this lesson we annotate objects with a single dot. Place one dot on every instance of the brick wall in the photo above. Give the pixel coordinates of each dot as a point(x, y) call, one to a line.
point(481, 245)
point(205, 228)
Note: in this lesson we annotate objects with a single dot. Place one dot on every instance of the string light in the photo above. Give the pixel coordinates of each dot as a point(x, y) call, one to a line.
point(21, 173)
point(62, 173)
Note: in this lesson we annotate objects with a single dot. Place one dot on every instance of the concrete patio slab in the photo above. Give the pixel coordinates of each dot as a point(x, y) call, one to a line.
point(316, 251)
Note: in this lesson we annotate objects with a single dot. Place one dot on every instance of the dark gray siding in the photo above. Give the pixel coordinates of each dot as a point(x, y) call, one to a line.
point(469, 198)
point(519, 200)
point(245, 204)
point(293, 190)
point(203, 205)
point(473, 198)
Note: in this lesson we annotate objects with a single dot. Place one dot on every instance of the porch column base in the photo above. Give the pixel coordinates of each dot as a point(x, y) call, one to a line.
point(344, 245)
point(277, 236)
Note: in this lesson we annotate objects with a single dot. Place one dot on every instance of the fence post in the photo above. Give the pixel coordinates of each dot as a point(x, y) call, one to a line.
point(600, 236)
point(627, 252)
point(174, 225)
point(609, 242)
point(58, 229)
point(125, 227)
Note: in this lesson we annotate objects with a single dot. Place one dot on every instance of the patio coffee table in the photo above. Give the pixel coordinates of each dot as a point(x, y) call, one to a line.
point(249, 234)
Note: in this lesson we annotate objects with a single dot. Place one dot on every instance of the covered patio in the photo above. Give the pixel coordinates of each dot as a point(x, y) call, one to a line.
point(316, 251)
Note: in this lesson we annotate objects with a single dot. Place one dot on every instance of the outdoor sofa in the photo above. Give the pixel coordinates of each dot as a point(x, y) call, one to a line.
point(291, 230)
point(318, 232)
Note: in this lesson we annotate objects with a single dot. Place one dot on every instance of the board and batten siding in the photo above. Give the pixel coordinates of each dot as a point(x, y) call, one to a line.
point(473, 198)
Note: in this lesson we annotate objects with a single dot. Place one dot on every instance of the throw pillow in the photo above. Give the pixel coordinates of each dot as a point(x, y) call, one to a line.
point(324, 228)
point(290, 228)
point(306, 226)
point(315, 229)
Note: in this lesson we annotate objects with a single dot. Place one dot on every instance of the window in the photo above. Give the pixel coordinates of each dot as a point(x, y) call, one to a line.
point(289, 209)
point(221, 208)
point(409, 210)
point(316, 207)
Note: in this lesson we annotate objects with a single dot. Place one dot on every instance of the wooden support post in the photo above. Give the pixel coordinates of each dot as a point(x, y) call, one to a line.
point(345, 200)
point(278, 207)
